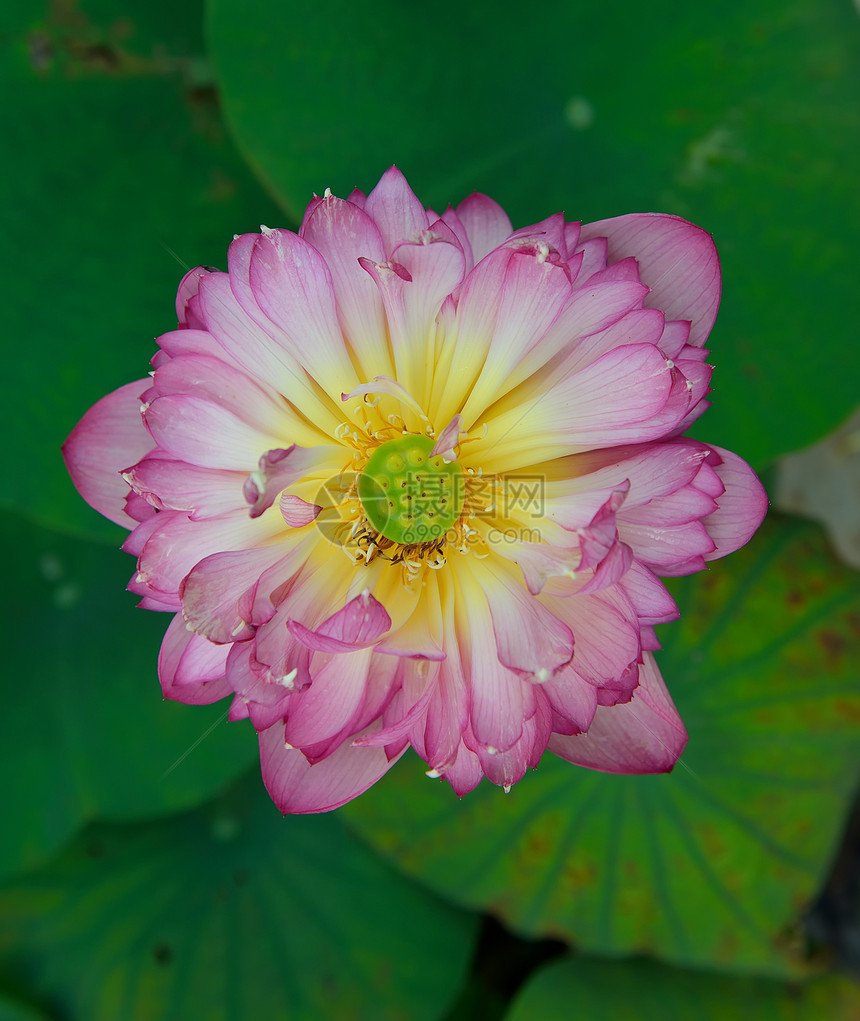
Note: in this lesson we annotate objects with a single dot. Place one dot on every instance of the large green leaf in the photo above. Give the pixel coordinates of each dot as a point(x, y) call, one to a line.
point(120, 161)
point(713, 863)
point(14, 1009)
point(740, 118)
point(231, 913)
point(644, 991)
point(84, 731)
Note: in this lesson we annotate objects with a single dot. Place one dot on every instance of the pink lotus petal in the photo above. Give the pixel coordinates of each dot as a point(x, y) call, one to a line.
point(177, 544)
point(179, 343)
point(534, 291)
point(648, 471)
point(606, 629)
point(549, 232)
point(458, 228)
point(597, 319)
point(617, 396)
point(572, 699)
point(266, 694)
point(613, 401)
point(189, 285)
point(594, 252)
point(224, 384)
point(530, 640)
point(540, 561)
point(342, 233)
point(395, 210)
point(487, 224)
point(190, 669)
point(740, 510)
point(505, 768)
point(279, 469)
point(330, 701)
point(205, 433)
point(648, 595)
point(437, 738)
point(412, 289)
point(448, 439)
point(645, 735)
point(293, 286)
point(136, 507)
point(676, 336)
point(360, 623)
point(296, 786)
point(601, 534)
point(297, 512)
point(677, 260)
point(169, 484)
point(464, 773)
point(240, 334)
point(109, 438)
point(217, 594)
point(403, 723)
point(499, 696)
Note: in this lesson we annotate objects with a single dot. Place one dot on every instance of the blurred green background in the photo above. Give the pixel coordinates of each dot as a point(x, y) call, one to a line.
point(145, 873)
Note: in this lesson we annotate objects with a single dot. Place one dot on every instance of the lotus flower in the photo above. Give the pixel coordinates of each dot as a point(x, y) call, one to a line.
point(408, 479)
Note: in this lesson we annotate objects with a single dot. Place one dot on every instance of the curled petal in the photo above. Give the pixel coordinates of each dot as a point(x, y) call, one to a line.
point(505, 768)
point(280, 468)
point(189, 285)
point(648, 595)
point(109, 438)
point(297, 512)
point(191, 669)
point(601, 533)
point(740, 509)
point(448, 439)
point(386, 385)
point(360, 623)
point(539, 561)
point(169, 484)
point(573, 701)
point(645, 735)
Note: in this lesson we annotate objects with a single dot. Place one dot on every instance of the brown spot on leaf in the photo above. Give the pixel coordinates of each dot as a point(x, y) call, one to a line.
point(580, 874)
point(832, 642)
point(847, 709)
